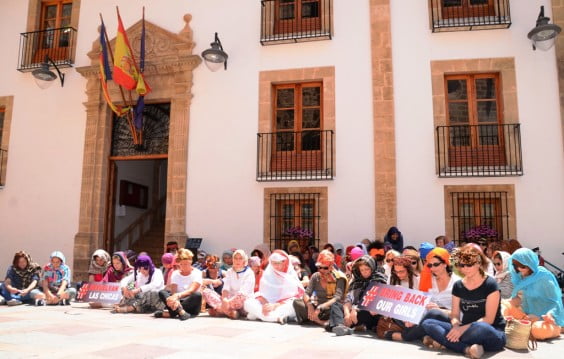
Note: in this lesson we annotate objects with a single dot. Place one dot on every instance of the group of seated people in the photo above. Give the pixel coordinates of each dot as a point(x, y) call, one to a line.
point(471, 289)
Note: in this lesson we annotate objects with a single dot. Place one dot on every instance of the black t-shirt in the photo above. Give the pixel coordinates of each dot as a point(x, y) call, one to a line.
point(473, 302)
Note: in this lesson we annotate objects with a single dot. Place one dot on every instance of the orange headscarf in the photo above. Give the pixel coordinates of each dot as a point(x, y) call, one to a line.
point(426, 281)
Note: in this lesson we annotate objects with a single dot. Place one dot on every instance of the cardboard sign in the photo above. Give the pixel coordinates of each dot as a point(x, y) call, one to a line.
point(396, 302)
point(95, 292)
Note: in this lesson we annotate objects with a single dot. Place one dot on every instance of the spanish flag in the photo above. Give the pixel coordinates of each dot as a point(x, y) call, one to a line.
point(125, 69)
point(106, 73)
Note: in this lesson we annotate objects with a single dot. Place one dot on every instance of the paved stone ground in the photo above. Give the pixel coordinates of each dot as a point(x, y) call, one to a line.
point(79, 332)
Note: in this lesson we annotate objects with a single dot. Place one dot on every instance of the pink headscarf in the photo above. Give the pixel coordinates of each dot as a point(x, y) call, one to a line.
point(277, 286)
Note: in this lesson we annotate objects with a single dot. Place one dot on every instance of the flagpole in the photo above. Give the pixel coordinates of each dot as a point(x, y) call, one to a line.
point(128, 116)
point(141, 73)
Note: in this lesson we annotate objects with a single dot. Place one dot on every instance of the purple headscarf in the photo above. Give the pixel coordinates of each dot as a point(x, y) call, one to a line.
point(144, 261)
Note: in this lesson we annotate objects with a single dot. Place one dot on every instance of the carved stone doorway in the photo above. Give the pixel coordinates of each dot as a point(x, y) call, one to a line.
point(169, 64)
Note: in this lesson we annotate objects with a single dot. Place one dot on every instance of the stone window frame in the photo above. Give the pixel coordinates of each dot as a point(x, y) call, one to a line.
point(322, 205)
point(267, 82)
point(504, 66)
point(509, 189)
point(6, 103)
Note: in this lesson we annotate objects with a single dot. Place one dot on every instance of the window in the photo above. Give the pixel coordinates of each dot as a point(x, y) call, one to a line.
point(55, 41)
point(288, 21)
point(476, 214)
point(474, 116)
point(6, 103)
point(298, 124)
point(467, 8)
point(294, 216)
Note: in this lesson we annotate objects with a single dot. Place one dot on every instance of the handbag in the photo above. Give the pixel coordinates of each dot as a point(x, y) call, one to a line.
point(387, 324)
point(518, 334)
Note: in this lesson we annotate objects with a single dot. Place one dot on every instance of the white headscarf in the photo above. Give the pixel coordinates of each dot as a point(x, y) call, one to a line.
point(504, 272)
point(276, 286)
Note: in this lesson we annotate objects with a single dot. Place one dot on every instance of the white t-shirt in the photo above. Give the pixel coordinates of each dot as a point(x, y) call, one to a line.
point(243, 283)
point(185, 281)
point(156, 283)
point(443, 299)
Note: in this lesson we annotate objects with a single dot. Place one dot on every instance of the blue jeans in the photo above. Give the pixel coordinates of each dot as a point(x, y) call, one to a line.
point(482, 333)
point(28, 298)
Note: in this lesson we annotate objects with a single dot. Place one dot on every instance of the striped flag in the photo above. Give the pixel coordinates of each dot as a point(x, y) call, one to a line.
point(125, 69)
point(106, 72)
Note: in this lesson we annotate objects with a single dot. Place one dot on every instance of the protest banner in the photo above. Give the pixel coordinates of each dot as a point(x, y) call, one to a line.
point(104, 293)
point(396, 302)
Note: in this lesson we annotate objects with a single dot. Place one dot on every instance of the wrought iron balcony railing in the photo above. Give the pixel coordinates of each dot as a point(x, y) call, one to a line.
point(295, 21)
point(3, 163)
point(58, 44)
point(479, 150)
point(295, 156)
point(467, 15)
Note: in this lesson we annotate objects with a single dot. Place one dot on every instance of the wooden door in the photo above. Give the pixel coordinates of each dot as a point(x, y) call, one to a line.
point(52, 40)
point(474, 114)
point(297, 16)
point(298, 138)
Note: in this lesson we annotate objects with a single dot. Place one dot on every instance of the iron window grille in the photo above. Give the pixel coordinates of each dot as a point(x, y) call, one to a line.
point(479, 212)
point(491, 150)
point(58, 44)
point(289, 21)
point(294, 216)
point(468, 15)
point(3, 163)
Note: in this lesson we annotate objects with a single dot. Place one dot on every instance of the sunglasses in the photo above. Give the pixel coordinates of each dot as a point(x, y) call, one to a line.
point(389, 260)
point(462, 265)
point(517, 266)
point(430, 265)
point(414, 263)
point(320, 267)
point(497, 264)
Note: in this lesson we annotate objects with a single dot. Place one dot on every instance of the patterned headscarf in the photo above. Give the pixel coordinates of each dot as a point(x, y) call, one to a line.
point(32, 269)
point(95, 268)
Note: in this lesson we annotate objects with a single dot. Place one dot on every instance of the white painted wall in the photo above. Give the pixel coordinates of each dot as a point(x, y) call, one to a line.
point(540, 192)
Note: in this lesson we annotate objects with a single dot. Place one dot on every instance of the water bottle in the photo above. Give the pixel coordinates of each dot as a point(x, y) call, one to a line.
point(313, 299)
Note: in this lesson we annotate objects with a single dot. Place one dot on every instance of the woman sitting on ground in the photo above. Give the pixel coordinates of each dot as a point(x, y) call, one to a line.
point(140, 292)
point(119, 269)
point(278, 288)
point(56, 281)
point(323, 299)
point(212, 276)
point(364, 275)
point(182, 297)
point(403, 273)
point(239, 283)
point(388, 261)
point(99, 263)
point(169, 266)
point(536, 295)
point(501, 264)
point(394, 238)
point(254, 264)
point(302, 273)
point(226, 260)
point(263, 252)
point(416, 261)
point(20, 285)
point(475, 322)
point(440, 294)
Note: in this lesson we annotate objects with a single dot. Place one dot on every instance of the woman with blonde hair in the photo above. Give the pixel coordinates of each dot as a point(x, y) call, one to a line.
point(475, 324)
point(182, 297)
